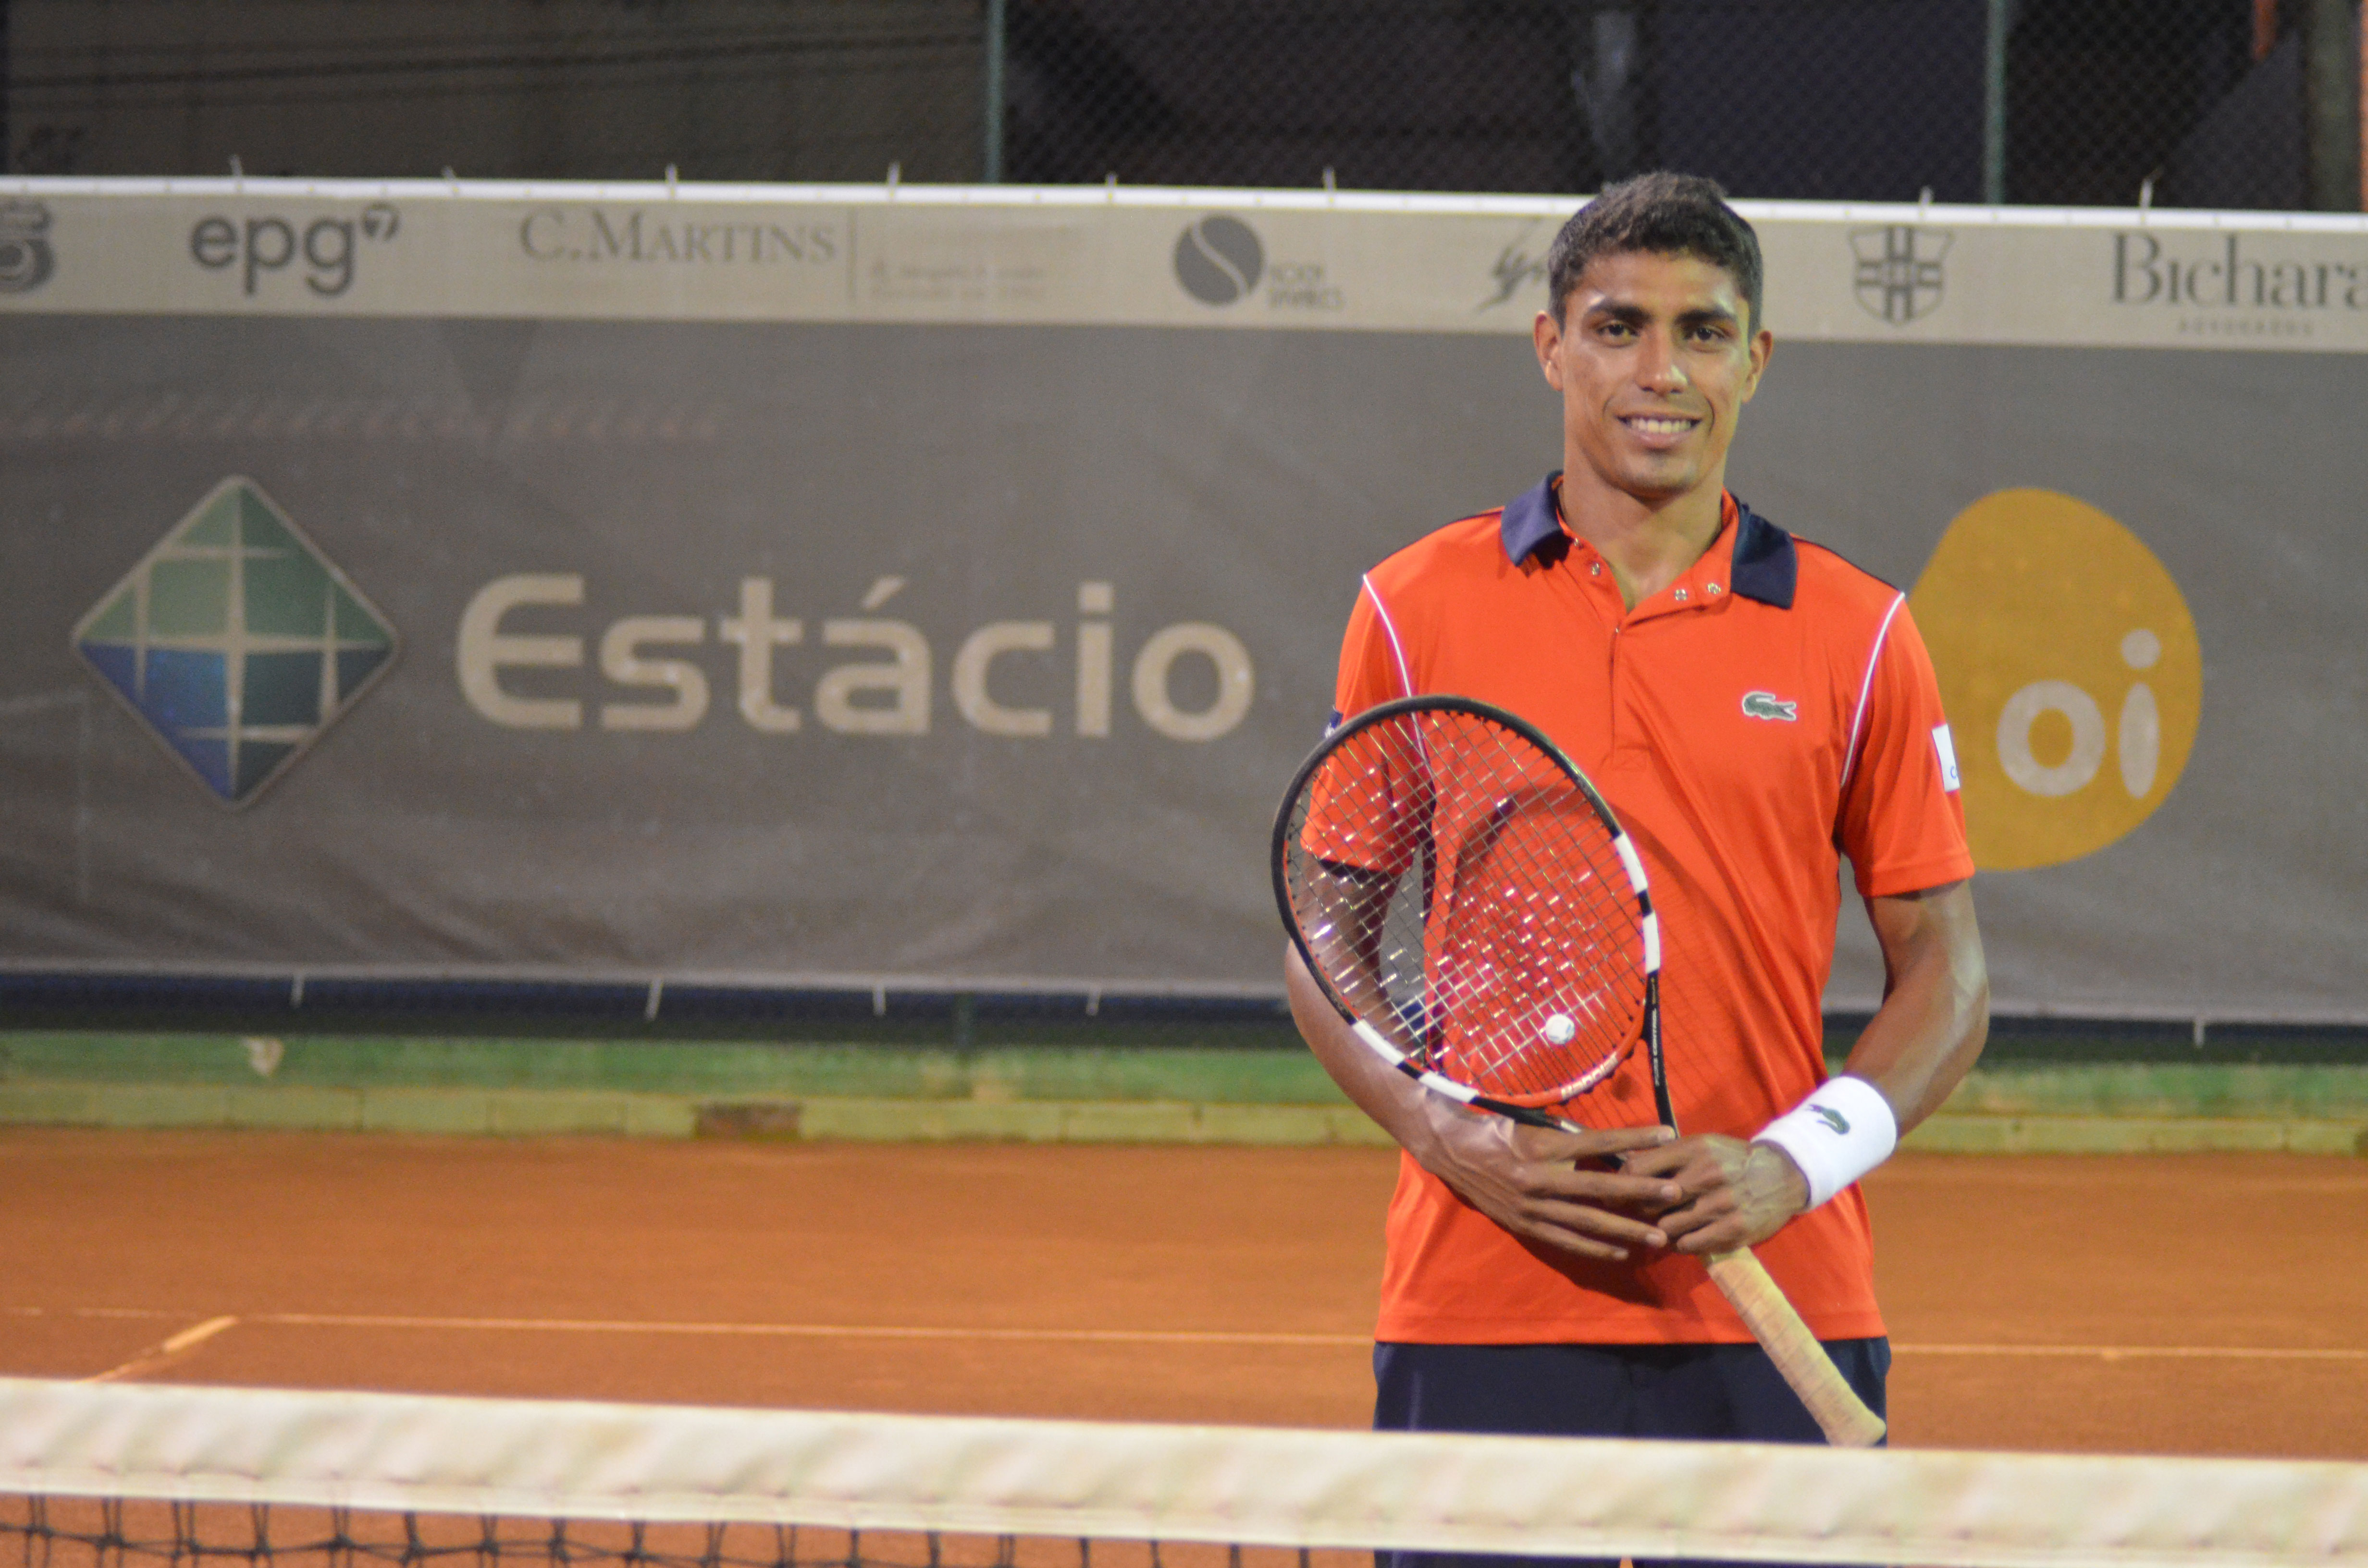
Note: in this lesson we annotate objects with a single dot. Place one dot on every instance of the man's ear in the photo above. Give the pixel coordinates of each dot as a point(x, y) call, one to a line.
point(1763, 345)
point(1546, 333)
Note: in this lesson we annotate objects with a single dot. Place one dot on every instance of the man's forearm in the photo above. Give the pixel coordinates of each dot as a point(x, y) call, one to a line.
point(1401, 1107)
point(1915, 1050)
point(1935, 1013)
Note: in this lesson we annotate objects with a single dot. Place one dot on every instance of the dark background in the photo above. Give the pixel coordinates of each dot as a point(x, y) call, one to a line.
point(2218, 103)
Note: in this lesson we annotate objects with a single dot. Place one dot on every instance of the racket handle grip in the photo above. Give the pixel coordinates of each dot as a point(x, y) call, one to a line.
point(1838, 1411)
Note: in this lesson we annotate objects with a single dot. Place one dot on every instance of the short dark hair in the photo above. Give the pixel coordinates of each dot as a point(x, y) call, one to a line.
point(1662, 213)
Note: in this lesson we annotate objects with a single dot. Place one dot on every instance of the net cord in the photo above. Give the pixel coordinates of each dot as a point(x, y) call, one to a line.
point(1118, 1481)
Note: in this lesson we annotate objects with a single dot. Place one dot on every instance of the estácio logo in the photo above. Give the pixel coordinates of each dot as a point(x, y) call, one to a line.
point(2070, 668)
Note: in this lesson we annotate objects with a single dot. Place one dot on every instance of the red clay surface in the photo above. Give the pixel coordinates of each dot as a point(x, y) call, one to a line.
point(2194, 1304)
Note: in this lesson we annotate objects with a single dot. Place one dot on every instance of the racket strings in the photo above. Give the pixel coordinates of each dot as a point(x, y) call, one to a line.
point(1534, 949)
point(1464, 897)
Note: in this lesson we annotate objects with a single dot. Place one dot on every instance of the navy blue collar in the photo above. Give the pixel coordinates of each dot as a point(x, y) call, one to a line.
point(1765, 568)
point(1529, 523)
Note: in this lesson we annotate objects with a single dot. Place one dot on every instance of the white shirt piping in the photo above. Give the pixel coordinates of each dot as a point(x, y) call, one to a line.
point(1397, 649)
point(1874, 658)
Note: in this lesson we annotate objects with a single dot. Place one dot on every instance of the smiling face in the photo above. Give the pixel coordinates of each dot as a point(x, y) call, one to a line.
point(1655, 359)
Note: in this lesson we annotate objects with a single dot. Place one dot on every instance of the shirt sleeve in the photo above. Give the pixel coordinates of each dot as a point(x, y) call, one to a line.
point(1903, 819)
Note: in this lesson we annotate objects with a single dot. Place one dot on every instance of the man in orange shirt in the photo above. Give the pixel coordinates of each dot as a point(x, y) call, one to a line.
point(1753, 706)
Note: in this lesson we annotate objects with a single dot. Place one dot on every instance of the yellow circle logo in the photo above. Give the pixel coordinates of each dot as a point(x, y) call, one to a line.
point(2069, 670)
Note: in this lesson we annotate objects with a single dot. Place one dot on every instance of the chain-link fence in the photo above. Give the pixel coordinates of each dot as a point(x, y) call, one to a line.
point(2232, 103)
point(2225, 103)
point(520, 89)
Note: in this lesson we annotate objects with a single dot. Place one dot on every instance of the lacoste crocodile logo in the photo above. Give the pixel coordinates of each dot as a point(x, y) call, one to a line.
point(1835, 1122)
point(1768, 705)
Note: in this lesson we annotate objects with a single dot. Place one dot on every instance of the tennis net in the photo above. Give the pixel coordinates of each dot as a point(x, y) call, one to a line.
point(122, 1476)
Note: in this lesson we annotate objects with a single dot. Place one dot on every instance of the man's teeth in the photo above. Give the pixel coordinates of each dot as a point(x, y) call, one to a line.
point(1661, 426)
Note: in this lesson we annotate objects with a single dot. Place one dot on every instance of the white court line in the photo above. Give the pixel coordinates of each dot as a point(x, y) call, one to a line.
point(2136, 1352)
point(776, 1330)
point(815, 1331)
point(1078, 1336)
point(164, 1352)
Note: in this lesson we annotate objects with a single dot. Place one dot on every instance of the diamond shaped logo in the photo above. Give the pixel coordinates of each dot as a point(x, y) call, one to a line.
point(237, 641)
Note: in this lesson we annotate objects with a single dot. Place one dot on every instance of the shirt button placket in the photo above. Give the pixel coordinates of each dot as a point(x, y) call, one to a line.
point(1611, 689)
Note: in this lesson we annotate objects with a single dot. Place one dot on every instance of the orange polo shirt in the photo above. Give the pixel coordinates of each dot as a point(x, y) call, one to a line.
point(1770, 710)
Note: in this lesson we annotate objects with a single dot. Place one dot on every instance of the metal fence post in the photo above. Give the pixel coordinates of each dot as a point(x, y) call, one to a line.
point(2002, 21)
point(2331, 94)
point(991, 160)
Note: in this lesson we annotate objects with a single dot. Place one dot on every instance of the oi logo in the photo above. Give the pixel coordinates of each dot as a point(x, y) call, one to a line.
point(2069, 670)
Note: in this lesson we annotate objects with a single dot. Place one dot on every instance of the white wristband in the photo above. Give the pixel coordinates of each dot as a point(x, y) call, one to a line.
point(1841, 1131)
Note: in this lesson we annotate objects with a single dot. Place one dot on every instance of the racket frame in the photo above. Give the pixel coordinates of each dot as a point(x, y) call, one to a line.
point(1633, 864)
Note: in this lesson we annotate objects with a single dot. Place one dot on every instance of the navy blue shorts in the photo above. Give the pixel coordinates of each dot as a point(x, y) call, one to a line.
point(1730, 1392)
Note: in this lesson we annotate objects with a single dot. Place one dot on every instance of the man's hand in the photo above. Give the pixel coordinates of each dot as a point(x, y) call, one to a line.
point(1731, 1194)
point(1528, 1179)
point(1532, 1180)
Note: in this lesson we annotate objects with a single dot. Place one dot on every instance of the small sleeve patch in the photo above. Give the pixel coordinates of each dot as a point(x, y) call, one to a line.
point(1946, 750)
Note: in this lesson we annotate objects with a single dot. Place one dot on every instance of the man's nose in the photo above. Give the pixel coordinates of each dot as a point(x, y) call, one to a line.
point(1658, 368)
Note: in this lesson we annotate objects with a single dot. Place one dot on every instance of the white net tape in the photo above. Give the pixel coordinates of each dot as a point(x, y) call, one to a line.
point(1241, 1486)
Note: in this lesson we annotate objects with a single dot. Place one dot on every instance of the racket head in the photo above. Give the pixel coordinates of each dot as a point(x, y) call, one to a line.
point(1459, 887)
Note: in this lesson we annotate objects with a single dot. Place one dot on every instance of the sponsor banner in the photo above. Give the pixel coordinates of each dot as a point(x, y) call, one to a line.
point(1226, 260)
point(925, 638)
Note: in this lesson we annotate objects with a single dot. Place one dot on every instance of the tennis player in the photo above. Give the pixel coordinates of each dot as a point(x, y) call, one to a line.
point(1754, 707)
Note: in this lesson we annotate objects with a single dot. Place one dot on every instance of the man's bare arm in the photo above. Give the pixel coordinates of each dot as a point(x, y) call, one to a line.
point(1936, 1000)
point(1915, 1050)
point(1526, 1178)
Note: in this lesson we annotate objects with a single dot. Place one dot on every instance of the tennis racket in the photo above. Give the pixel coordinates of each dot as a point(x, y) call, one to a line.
point(1470, 904)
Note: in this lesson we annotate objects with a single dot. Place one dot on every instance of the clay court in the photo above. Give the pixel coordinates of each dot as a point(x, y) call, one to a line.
point(2202, 1304)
